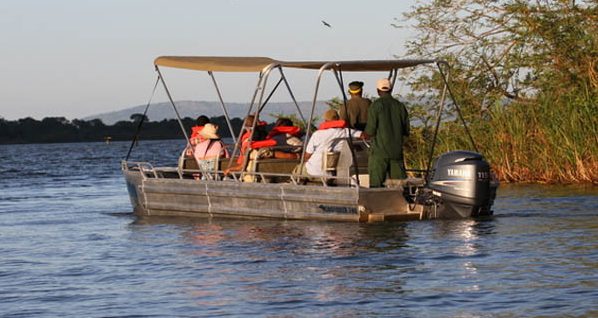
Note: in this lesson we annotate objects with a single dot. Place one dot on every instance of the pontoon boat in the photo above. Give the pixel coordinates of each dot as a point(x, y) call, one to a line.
point(458, 184)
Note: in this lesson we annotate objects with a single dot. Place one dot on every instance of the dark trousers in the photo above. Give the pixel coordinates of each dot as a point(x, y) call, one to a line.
point(378, 168)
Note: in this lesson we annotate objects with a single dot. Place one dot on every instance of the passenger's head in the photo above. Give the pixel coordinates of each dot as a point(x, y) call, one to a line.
point(283, 121)
point(202, 120)
point(383, 86)
point(331, 115)
point(260, 132)
point(355, 88)
point(249, 121)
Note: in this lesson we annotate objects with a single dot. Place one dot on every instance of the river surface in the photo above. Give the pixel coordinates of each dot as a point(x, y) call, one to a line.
point(69, 247)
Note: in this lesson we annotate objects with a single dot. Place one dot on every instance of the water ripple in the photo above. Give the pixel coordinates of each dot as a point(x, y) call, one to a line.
point(71, 247)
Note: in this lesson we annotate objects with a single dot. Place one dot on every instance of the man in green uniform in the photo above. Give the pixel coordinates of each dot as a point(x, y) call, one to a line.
point(356, 113)
point(388, 123)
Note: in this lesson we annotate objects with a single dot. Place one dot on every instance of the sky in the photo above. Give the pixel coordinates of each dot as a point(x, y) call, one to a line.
point(76, 58)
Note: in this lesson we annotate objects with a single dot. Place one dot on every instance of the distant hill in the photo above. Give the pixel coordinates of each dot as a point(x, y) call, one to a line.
point(160, 111)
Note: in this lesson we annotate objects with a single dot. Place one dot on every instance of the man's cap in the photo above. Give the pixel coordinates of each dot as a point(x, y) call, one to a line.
point(355, 87)
point(331, 114)
point(383, 85)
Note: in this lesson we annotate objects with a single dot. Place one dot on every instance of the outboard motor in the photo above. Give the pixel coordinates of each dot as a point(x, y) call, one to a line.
point(461, 185)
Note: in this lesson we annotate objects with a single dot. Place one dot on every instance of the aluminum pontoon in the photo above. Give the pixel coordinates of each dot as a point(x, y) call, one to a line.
point(455, 185)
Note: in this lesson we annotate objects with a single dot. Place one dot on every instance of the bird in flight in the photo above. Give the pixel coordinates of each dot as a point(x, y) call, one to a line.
point(326, 24)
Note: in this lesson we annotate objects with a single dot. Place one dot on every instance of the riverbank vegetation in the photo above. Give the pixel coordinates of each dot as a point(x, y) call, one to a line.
point(59, 129)
point(525, 75)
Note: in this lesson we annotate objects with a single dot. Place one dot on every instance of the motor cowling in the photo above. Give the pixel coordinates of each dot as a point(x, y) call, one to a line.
point(462, 185)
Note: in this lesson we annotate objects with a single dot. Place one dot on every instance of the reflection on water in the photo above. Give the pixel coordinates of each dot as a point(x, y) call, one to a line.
point(70, 247)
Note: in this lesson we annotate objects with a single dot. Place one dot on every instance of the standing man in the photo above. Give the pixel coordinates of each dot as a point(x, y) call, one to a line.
point(388, 124)
point(356, 113)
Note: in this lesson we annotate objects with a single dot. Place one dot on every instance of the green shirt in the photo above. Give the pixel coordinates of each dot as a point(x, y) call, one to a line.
point(388, 122)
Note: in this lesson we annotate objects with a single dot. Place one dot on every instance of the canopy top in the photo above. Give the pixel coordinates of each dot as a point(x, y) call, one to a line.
point(257, 64)
point(215, 63)
point(356, 66)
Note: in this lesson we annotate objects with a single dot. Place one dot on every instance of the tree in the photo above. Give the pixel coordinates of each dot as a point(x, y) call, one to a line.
point(505, 50)
point(525, 73)
point(137, 117)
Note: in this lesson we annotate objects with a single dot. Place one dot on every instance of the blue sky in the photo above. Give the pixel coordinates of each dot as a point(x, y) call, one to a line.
point(75, 58)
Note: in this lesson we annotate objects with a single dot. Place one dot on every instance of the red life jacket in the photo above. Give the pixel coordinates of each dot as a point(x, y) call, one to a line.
point(195, 131)
point(263, 143)
point(291, 130)
point(333, 124)
point(248, 132)
point(245, 136)
point(254, 144)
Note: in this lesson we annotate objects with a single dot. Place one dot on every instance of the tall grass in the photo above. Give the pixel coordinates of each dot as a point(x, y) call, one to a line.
point(553, 140)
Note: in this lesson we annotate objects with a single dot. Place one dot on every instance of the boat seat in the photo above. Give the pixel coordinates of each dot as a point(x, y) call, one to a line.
point(346, 167)
point(277, 166)
point(338, 162)
point(188, 167)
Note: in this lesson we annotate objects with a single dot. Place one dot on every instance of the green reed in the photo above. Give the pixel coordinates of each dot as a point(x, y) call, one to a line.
point(552, 140)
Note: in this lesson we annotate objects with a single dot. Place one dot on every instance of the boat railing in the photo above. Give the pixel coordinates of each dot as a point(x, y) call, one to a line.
point(144, 168)
point(265, 177)
point(148, 171)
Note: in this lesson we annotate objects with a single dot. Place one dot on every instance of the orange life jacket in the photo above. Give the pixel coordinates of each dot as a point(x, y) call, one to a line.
point(333, 124)
point(248, 131)
point(291, 130)
point(195, 131)
point(254, 144)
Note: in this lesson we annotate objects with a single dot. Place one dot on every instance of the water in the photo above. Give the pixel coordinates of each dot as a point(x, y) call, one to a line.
point(69, 246)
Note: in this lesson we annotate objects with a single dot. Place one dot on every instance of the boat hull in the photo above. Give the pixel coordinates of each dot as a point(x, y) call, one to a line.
point(195, 198)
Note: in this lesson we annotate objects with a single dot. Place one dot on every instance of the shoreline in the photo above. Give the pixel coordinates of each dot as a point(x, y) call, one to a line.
point(503, 182)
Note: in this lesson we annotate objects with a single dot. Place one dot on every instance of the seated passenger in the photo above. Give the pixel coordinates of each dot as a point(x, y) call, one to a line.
point(285, 133)
point(211, 147)
point(286, 136)
point(257, 141)
point(323, 141)
point(260, 132)
point(195, 137)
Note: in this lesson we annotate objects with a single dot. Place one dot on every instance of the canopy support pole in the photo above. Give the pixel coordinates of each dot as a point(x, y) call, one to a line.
point(436, 128)
point(142, 119)
point(339, 79)
point(226, 116)
point(259, 111)
point(313, 107)
point(446, 89)
point(261, 85)
point(176, 111)
point(241, 131)
point(457, 107)
point(292, 95)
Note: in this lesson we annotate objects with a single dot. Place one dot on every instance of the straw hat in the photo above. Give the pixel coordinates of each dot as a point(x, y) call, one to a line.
point(330, 115)
point(209, 131)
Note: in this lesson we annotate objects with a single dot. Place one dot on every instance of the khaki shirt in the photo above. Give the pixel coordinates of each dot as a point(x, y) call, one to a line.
point(357, 109)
